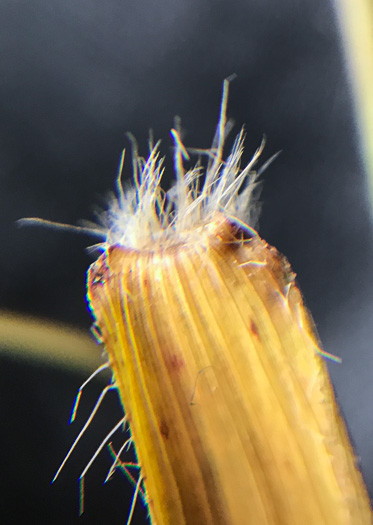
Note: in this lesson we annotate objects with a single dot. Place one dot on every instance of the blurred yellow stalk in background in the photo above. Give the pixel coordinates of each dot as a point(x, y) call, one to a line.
point(356, 20)
point(56, 344)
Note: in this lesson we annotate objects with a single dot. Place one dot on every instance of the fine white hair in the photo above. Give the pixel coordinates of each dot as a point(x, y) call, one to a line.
point(144, 217)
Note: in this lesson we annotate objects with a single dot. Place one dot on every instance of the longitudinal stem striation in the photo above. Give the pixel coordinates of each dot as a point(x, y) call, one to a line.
point(214, 355)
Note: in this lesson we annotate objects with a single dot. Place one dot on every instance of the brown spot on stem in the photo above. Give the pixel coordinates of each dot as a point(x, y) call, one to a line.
point(176, 362)
point(165, 431)
point(254, 329)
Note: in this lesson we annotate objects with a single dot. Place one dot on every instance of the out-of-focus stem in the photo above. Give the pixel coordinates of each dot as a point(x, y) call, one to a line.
point(356, 20)
point(55, 344)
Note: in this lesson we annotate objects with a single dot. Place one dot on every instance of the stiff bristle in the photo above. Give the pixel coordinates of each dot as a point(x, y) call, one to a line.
point(146, 218)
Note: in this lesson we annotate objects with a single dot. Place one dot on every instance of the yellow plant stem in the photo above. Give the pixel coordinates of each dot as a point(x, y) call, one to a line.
point(229, 402)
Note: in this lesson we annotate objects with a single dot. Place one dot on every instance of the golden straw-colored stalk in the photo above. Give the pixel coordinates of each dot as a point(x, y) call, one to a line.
point(229, 403)
point(215, 358)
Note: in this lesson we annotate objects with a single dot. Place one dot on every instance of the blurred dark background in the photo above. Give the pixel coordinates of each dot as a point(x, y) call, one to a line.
point(74, 78)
